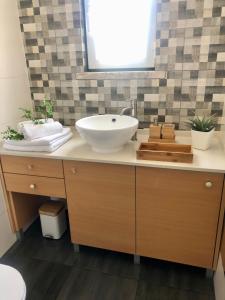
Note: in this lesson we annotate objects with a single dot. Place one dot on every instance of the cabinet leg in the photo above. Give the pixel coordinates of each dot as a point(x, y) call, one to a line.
point(19, 235)
point(76, 248)
point(209, 273)
point(136, 259)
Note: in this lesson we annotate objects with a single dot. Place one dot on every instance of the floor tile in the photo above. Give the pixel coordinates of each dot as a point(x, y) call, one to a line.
point(146, 291)
point(95, 285)
point(52, 270)
point(48, 278)
point(174, 275)
point(35, 246)
point(90, 258)
point(120, 264)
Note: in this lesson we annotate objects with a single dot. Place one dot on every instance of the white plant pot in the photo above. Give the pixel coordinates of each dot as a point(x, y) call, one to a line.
point(201, 140)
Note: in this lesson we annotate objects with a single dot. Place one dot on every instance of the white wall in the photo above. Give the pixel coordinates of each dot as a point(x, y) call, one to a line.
point(14, 90)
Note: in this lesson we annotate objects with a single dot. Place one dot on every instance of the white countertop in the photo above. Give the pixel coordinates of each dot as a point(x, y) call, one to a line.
point(211, 160)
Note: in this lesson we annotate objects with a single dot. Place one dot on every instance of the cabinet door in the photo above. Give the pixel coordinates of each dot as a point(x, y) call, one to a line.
point(101, 204)
point(177, 215)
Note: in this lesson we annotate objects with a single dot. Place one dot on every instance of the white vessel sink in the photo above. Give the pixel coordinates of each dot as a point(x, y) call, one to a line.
point(107, 133)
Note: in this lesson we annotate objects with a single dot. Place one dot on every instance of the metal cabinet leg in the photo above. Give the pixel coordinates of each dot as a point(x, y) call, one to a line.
point(136, 259)
point(209, 273)
point(76, 248)
point(19, 235)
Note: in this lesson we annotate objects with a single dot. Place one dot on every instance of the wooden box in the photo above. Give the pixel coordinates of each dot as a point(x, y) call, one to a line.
point(168, 131)
point(155, 131)
point(165, 152)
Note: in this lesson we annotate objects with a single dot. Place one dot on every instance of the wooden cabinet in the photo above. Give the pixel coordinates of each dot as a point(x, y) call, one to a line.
point(101, 205)
point(161, 213)
point(177, 215)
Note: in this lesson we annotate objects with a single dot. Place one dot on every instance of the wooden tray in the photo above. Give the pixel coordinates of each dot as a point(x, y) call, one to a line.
point(153, 140)
point(165, 152)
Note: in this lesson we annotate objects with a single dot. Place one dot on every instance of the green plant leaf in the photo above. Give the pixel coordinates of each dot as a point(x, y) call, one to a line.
point(46, 109)
point(27, 114)
point(204, 124)
point(12, 134)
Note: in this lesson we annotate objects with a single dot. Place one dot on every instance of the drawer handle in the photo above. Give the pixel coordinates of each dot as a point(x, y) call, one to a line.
point(208, 184)
point(29, 167)
point(32, 186)
point(74, 170)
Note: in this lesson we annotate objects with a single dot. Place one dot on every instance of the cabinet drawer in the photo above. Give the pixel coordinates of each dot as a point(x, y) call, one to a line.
point(32, 166)
point(35, 185)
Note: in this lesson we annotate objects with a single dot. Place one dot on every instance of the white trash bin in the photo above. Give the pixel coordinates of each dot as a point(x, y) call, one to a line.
point(53, 219)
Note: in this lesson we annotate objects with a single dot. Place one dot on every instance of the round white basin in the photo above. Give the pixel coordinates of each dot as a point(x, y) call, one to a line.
point(107, 133)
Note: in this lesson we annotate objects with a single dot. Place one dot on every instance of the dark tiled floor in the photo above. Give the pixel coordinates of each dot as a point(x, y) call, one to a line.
point(52, 270)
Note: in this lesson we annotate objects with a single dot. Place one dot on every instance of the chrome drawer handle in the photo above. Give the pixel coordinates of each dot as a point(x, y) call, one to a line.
point(208, 184)
point(32, 186)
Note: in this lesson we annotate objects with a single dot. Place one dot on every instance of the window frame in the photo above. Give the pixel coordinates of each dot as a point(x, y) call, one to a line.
point(87, 69)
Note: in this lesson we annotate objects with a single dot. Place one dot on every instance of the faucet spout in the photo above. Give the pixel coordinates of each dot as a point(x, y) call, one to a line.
point(126, 111)
point(132, 111)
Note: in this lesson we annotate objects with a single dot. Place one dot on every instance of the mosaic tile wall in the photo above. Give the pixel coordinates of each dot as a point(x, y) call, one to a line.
point(190, 49)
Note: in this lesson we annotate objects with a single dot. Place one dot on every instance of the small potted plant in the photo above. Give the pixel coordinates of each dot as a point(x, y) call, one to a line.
point(202, 129)
point(45, 110)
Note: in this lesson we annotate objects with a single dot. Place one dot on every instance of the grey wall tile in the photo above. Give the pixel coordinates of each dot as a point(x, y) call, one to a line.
point(190, 47)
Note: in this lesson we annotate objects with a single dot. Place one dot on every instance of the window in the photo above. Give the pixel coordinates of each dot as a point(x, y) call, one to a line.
point(120, 34)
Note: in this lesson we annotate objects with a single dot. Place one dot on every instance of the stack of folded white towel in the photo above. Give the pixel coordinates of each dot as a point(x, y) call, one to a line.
point(45, 137)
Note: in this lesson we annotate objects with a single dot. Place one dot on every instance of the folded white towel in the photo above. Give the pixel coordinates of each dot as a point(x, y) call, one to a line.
point(44, 141)
point(49, 148)
point(34, 131)
point(29, 122)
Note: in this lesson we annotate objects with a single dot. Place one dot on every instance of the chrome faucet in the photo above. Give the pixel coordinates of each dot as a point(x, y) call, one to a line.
point(132, 111)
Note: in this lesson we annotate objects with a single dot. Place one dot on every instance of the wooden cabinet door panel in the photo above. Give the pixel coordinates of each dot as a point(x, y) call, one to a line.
point(177, 215)
point(101, 202)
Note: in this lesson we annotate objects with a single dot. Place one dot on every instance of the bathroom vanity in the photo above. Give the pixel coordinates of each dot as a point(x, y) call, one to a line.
point(168, 211)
